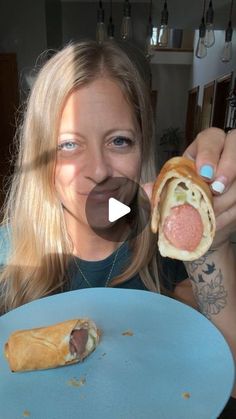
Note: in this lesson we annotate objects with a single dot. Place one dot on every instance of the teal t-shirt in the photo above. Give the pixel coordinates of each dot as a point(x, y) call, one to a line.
point(86, 274)
point(5, 244)
point(95, 272)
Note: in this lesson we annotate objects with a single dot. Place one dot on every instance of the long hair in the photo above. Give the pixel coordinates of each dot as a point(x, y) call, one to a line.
point(40, 246)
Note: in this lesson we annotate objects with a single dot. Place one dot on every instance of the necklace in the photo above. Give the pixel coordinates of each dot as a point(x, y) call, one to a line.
point(109, 275)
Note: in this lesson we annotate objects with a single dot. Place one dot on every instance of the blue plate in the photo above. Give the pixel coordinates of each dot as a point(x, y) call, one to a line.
point(157, 358)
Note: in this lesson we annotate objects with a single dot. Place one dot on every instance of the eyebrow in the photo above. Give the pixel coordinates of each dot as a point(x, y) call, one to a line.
point(110, 131)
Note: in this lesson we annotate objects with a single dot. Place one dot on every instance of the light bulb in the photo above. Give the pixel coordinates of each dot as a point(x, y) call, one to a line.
point(150, 41)
point(227, 52)
point(126, 28)
point(163, 34)
point(100, 29)
point(126, 25)
point(101, 32)
point(201, 50)
point(150, 44)
point(210, 35)
point(227, 49)
point(110, 29)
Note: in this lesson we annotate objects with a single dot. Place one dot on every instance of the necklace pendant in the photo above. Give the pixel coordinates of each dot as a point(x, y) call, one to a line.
point(109, 274)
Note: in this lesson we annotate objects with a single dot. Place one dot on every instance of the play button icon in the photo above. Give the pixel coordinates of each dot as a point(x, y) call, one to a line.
point(116, 209)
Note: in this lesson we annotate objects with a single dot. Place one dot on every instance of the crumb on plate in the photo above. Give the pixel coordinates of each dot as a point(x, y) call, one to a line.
point(186, 395)
point(26, 413)
point(74, 382)
point(128, 333)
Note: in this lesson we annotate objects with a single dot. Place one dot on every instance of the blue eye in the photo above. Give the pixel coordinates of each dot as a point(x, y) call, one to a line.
point(122, 141)
point(67, 146)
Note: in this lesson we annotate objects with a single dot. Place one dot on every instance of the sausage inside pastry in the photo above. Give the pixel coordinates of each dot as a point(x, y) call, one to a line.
point(53, 346)
point(182, 211)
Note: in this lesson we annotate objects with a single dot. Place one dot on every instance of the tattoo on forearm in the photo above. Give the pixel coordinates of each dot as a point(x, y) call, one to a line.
point(196, 263)
point(208, 287)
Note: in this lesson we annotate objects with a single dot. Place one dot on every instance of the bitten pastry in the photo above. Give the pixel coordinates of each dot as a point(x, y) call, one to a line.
point(182, 211)
point(53, 346)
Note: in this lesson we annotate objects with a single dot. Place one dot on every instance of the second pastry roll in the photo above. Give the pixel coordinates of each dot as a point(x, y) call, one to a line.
point(60, 344)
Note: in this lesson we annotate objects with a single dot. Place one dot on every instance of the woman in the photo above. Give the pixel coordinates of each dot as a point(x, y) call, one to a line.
point(88, 120)
point(41, 196)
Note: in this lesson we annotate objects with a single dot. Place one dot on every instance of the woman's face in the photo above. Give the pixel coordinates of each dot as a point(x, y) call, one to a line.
point(98, 140)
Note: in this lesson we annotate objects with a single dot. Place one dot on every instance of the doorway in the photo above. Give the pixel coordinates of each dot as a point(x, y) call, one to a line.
point(220, 111)
point(207, 105)
point(9, 100)
point(192, 118)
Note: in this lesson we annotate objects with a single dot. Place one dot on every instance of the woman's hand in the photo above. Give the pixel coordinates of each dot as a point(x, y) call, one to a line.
point(215, 155)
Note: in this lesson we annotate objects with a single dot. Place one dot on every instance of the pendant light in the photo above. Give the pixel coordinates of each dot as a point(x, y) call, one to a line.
point(150, 43)
point(210, 34)
point(227, 49)
point(126, 25)
point(201, 50)
point(101, 29)
point(111, 26)
point(163, 33)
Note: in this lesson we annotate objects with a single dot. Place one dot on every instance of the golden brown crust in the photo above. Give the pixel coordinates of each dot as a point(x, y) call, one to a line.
point(183, 169)
point(44, 347)
point(178, 167)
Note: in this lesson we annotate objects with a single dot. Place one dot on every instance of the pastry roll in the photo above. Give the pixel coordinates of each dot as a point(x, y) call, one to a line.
point(53, 346)
point(182, 211)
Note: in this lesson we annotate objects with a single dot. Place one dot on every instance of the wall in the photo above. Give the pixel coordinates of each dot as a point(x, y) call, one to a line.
point(23, 31)
point(211, 67)
point(174, 81)
point(53, 14)
point(30, 27)
point(183, 14)
point(79, 20)
point(171, 82)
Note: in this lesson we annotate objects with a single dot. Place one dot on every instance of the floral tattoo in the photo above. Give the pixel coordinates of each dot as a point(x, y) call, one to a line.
point(208, 287)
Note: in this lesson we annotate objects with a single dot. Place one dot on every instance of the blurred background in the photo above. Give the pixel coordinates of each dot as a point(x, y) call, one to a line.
point(188, 50)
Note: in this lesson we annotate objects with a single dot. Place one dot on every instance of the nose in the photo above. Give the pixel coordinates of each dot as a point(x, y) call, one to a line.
point(98, 167)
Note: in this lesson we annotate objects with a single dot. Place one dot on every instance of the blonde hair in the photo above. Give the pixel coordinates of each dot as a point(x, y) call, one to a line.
point(40, 246)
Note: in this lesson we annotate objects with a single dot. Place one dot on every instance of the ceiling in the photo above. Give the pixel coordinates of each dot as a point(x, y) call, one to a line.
point(184, 13)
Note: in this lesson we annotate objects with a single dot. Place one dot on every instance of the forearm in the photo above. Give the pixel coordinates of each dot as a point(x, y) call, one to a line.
point(213, 279)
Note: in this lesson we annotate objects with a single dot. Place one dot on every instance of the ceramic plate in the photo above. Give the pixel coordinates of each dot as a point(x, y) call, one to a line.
point(157, 358)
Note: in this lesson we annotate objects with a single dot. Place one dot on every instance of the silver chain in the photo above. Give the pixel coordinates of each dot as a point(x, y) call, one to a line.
point(109, 275)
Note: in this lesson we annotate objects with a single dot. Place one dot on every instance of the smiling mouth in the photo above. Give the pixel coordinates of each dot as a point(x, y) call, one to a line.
point(96, 191)
point(91, 193)
point(103, 195)
point(115, 187)
point(107, 191)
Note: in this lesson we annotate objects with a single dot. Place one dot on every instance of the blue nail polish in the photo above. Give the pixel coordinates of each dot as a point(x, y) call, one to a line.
point(207, 171)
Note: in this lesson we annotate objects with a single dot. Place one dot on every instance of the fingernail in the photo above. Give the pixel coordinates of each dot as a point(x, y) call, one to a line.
point(207, 171)
point(218, 185)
